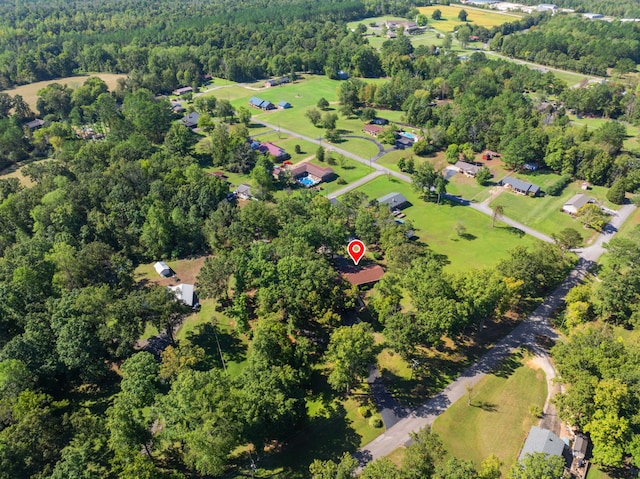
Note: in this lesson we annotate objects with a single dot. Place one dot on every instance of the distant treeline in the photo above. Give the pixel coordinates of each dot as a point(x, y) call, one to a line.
point(167, 44)
point(617, 8)
point(577, 44)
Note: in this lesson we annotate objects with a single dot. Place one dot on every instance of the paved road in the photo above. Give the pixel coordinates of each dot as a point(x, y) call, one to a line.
point(534, 326)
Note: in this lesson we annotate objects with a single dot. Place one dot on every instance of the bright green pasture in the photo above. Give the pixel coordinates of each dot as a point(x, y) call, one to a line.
point(499, 407)
point(483, 246)
point(545, 213)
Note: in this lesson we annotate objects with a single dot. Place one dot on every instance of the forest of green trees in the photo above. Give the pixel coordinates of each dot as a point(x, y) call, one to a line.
point(78, 396)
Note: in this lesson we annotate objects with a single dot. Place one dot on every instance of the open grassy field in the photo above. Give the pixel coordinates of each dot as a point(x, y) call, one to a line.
point(449, 21)
point(435, 225)
point(595, 473)
point(545, 213)
point(15, 171)
point(633, 132)
point(30, 92)
point(497, 421)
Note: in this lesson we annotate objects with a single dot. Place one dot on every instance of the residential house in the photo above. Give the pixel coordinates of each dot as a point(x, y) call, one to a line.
point(243, 192)
point(261, 104)
point(546, 7)
point(306, 168)
point(467, 168)
point(593, 16)
point(185, 293)
point(575, 203)
point(279, 81)
point(34, 124)
point(183, 90)
point(284, 105)
point(373, 130)
point(395, 201)
point(162, 269)
point(270, 149)
point(542, 440)
point(359, 275)
point(191, 120)
point(380, 121)
point(519, 186)
point(403, 143)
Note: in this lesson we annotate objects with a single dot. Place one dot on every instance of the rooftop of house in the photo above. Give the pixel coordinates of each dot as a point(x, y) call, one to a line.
point(394, 200)
point(271, 149)
point(521, 185)
point(578, 200)
point(360, 274)
point(542, 440)
point(463, 165)
point(373, 128)
point(310, 168)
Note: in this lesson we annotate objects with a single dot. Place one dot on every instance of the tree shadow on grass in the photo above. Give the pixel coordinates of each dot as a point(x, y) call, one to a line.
point(513, 230)
point(485, 406)
point(468, 236)
point(326, 436)
point(508, 366)
point(205, 337)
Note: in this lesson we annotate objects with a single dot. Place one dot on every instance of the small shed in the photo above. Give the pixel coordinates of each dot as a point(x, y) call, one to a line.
point(575, 203)
point(284, 105)
point(395, 201)
point(162, 269)
point(580, 446)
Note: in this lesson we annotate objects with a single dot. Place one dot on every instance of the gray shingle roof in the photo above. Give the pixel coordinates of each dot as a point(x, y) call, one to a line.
point(542, 440)
point(394, 200)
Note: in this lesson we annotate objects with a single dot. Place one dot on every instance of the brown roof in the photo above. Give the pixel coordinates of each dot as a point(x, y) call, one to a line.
point(310, 168)
point(373, 129)
point(361, 274)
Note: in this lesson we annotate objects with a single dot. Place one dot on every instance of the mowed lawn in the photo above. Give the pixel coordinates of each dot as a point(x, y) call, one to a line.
point(498, 420)
point(545, 213)
point(30, 92)
point(436, 225)
point(449, 21)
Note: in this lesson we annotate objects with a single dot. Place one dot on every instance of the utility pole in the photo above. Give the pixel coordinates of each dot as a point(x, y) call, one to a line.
point(215, 332)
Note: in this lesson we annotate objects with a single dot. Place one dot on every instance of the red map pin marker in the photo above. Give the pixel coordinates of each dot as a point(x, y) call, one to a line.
point(356, 250)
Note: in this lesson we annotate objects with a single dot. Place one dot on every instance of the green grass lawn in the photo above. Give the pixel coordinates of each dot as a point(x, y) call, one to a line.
point(592, 123)
point(595, 473)
point(436, 225)
point(350, 171)
point(545, 213)
point(449, 21)
point(498, 420)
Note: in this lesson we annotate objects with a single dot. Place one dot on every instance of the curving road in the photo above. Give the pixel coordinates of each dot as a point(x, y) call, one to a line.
point(534, 326)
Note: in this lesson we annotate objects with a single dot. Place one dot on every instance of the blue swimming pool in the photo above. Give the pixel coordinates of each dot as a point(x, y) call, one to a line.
point(306, 181)
point(411, 136)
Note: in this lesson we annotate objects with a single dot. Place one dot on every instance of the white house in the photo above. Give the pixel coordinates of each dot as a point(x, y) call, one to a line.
point(162, 269)
point(185, 293)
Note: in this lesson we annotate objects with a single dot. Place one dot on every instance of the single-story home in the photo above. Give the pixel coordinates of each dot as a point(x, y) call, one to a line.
point(185, 293)
point(520, 186)
point(243, 192)
point(580, 446)
point(162, 269)
point(306, 168)
point(380, 121)
point(467, 168)
point(34, 124)
point(183, 90)
point(260, 103)
point(191, 120)
point(276, 82)
point(575, 203)
point(283, 105)
point(361, 274)
point(542, 440)
point(373, 130)
point(178, 108)
point(403, 143)
point(273, 150)
point(395, 201)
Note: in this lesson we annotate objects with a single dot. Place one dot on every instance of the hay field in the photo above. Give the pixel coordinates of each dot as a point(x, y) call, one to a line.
point(30, 92)
point(485, 18)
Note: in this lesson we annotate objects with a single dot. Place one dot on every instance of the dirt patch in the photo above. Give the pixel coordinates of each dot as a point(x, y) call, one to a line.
point(186, 272)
